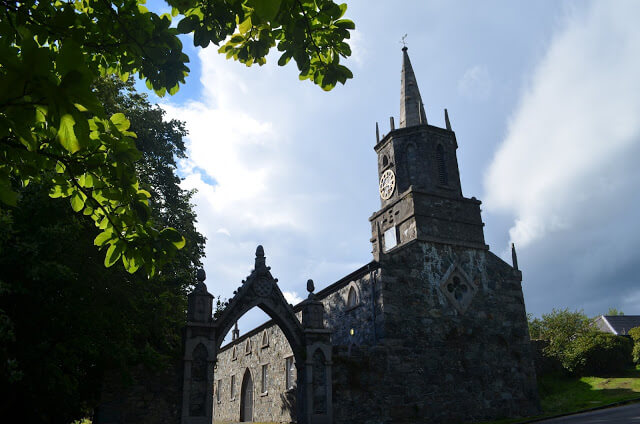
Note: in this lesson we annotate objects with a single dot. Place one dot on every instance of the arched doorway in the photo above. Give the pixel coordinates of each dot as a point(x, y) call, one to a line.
point(246, 398)
point(304, 336)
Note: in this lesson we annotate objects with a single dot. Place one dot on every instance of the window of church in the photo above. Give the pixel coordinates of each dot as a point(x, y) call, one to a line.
point(218, 390)
point(233, 387)
point(352, 298)
point(385, 161)
point(247, 347)
point(443, 178)
point(265, 382)
point(265, 339)
point(290, 368)
point(390, 240)
point(234, 354)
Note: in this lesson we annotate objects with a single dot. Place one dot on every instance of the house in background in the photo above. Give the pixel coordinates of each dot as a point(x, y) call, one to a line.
point(617, 324)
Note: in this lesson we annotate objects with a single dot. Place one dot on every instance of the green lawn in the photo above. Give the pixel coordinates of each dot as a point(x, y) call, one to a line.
point(559, 395)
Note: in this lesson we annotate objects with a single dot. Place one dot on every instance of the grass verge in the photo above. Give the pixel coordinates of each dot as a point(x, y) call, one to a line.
point(563, 395)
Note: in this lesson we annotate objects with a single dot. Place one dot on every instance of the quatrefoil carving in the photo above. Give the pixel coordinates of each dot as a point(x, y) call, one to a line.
point(458, 288)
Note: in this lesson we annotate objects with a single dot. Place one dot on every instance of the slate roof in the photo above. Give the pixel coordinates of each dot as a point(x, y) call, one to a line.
point(621, 324)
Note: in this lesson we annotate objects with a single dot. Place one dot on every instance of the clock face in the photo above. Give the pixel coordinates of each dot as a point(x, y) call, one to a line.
point(387, 184)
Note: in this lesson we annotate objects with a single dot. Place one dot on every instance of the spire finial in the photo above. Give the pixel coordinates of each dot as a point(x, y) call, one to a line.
point(310, 288)
point(377, 134)
point(514, 257)
point(446, 119)
point(236, 332)
point(260, 262)
point(404, 43)
point(411, 107)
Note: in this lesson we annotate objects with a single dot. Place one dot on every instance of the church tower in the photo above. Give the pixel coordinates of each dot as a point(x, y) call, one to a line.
point(420, 193)
point(453, 334)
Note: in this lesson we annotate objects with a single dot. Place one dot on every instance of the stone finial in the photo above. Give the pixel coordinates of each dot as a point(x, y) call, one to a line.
point(235, 333)
point(446, 120)
point(201, 275)
point(421, 114)
point(310, 286)
point(201, 287)
point(377, 134)
point(260, 260)
point(392, 124)
point(514, 257)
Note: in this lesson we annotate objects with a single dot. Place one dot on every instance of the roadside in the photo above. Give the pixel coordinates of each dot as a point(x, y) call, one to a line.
point(561, 395)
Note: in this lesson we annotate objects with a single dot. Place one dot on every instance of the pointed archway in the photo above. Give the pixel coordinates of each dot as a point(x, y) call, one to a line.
point(246, 398)
point(259, 289)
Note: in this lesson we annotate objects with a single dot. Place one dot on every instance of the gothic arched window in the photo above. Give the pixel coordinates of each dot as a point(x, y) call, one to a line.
point(443, 178)
point(385, 161)
point(352, 298)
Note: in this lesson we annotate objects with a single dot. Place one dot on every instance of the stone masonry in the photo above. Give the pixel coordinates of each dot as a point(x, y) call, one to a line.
point(433, 329)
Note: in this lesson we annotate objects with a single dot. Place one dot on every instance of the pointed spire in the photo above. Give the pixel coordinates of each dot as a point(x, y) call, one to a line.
point(377, 134)
point(514, 257)
point(236, 332)
point(392, 123)
point(446, 120)
point(411, 107)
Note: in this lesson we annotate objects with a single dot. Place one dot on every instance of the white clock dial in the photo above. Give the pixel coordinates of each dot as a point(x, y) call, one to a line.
point(387, 184)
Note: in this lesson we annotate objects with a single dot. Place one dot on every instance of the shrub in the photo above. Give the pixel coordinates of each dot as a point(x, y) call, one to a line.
point(596, 353)
point(635, 335)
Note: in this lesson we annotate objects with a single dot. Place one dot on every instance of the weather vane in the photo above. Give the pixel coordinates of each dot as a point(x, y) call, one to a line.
point(404, 40)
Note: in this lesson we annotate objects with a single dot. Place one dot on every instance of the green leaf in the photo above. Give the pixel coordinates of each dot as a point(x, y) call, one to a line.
point(245, 26)
point(265, 9)
point(103, 237)
point(120, 121)
point(113, 254)
point(8, 196)
point(174, 237)
point(76, 202)
point(66, 135)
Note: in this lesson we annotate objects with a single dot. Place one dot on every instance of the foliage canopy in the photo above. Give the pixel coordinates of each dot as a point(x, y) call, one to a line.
point(578, 345)
point(54, 129)
point(65, 320)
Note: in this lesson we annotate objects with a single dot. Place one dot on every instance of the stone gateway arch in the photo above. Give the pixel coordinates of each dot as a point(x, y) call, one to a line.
point(308, 339)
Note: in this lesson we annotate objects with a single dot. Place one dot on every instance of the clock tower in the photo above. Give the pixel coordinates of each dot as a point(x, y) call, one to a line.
point(420, 193)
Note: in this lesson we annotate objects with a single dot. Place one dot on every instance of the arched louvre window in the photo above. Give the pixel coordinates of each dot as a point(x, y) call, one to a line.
point(443, 178)
point(352, 298)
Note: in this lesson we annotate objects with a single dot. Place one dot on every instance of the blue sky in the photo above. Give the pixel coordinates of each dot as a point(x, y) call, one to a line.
point(543, 97)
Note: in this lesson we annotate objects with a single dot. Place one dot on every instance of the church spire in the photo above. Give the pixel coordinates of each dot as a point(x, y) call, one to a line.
point(411, 107)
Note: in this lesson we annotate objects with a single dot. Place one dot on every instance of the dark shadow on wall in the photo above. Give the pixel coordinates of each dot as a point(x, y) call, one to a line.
point(288, 403)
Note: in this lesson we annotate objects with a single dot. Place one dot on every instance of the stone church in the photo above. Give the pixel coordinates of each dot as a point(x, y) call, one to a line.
point(433, 329)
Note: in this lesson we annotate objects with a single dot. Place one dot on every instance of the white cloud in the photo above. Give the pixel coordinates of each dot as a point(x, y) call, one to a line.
point(475, 83)
point(567, 169)
point(576, 123)
point(292, 297)
point(262, 176)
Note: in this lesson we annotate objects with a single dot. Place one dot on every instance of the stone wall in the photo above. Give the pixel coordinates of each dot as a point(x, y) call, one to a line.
point(351, 325)
point(276, 404)
point(451, 354)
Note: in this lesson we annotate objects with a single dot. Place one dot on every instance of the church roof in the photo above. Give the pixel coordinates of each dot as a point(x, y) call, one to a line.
point(411, 106)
